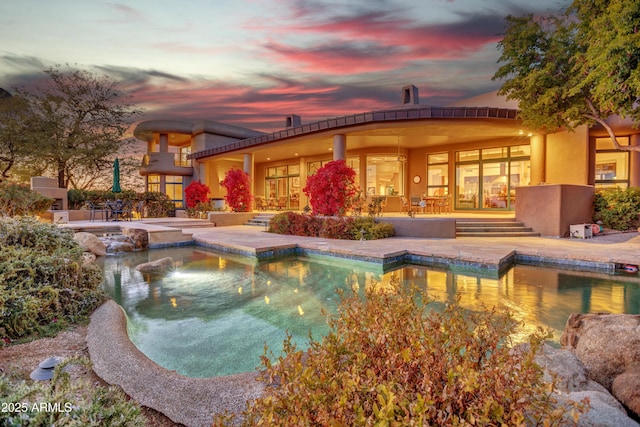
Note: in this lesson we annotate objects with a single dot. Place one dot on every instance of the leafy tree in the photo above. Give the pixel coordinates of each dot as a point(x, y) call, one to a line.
point(575, 69)
point(332, 189)
point(15, 117)
point(81, 121)
point(238, 185)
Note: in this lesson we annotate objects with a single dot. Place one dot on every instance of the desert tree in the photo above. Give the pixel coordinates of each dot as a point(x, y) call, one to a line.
point(577, 68)
point(81, 123)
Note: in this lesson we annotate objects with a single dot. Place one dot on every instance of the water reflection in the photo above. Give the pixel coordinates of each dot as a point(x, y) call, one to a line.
point(212, 314)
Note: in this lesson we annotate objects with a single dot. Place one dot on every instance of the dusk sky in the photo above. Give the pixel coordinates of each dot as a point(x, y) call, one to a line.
point(254, 62)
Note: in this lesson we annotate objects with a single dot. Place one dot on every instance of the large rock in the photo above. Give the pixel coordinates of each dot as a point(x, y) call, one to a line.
point(568, 371)
point(605, 411)
point(156, 267)
point(607, 344)
point(138, 236)
point(90, 243)
point(573, 385)
point(626, 388)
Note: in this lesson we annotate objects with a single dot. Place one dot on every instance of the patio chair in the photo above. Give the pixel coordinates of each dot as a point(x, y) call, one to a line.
point(138, 210)
point(95, 209)
point(282, 202)
point(261, 203)
point(415, 202)
point(127, 210)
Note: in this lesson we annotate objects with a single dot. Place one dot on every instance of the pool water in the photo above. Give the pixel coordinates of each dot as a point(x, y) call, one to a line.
point(213, 314)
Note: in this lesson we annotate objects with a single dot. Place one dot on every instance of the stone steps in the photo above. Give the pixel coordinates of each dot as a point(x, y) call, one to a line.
point(262, 220)
point(492, 227)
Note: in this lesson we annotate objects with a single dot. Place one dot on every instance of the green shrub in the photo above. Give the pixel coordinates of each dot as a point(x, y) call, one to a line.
point(390, 359)
point(78, 198)
point(43, 281)
point(18, 199)
point(617, 208)
point(347, 228)
point(79, 403)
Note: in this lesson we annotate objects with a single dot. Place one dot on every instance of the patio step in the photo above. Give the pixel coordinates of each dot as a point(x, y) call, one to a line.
point(262, 220)
point(492, 227)
point(190, 223)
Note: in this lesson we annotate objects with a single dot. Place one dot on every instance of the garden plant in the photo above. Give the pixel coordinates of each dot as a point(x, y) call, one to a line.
point(332, 190)
point(238, 186)
point(395, 357)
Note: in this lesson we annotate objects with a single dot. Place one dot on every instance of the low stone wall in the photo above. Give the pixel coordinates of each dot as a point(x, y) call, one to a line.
point(438, 228)
point(224, 219)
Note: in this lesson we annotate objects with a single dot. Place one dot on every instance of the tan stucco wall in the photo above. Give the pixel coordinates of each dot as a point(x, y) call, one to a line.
point(551, 209)
point(215, 172)
point(567, 160)
point(438, 228)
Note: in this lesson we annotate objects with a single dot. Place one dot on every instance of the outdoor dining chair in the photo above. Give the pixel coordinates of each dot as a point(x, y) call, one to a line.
point(95, 209)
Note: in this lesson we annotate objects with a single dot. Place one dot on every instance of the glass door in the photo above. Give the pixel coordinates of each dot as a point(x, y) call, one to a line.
point(467, 188)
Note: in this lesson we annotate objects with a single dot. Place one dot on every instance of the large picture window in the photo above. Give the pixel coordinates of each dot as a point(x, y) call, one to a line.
point(612, 166)
point(487, 179)
point(385, 176)
point(438, 174)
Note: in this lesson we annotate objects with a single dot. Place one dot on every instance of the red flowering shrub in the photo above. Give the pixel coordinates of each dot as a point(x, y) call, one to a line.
point(238, 185)
point(332, 189)
point(196, 192)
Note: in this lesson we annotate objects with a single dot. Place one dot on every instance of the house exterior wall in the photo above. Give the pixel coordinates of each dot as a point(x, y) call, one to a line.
point(567, 158)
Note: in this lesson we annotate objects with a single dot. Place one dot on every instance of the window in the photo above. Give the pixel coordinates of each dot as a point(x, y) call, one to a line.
point(153, 183)
point(438, 174)
point(612, 166)
point(174, 189)
point(487, 178)
point(385, 175)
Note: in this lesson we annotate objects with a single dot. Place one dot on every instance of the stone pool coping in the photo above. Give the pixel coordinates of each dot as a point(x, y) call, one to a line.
point(189, 401)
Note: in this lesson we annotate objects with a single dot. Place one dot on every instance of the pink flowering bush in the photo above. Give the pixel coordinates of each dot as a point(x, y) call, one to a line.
point(238, 185)
point(196, 193)
point(332, 189)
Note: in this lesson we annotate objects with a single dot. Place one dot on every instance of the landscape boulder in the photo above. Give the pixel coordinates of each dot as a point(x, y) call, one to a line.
point(138, 236)
point(156, 267)
point(607, 344)
point(626, 388)
point(609, 347)
point(90, 243)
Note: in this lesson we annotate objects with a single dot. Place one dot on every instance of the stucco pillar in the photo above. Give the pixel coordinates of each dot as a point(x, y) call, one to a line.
point(634, 161)
point(339, 147)
point(248, 169)
point(164, 143)
point(538, 159)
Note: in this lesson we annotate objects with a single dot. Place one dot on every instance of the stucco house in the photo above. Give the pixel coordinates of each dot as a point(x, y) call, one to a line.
point(476, 152)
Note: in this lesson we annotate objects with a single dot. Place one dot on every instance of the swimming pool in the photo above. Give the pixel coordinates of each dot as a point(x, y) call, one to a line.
point(213, 313)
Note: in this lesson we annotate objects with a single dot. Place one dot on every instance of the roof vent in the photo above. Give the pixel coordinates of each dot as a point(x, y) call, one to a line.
point(410, 95)
point(293, 121)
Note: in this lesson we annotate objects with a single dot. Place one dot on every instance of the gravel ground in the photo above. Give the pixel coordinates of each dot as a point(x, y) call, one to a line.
point(21, 359)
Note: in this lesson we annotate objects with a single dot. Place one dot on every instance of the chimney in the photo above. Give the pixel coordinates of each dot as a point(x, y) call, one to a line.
point(410, 95)
point(293, 121)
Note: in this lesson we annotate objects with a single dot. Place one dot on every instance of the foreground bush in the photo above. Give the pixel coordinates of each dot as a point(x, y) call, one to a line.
point(346, 228)
point(43, 281)
point(73, 403)
point(18, 199)
point(617, 208)
point(390, 360)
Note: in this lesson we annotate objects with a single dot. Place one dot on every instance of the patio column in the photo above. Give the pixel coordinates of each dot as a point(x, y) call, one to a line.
point(339, 147)
point(164, 143)
point(248, 169)
point(538, 159)
point(634, 161)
